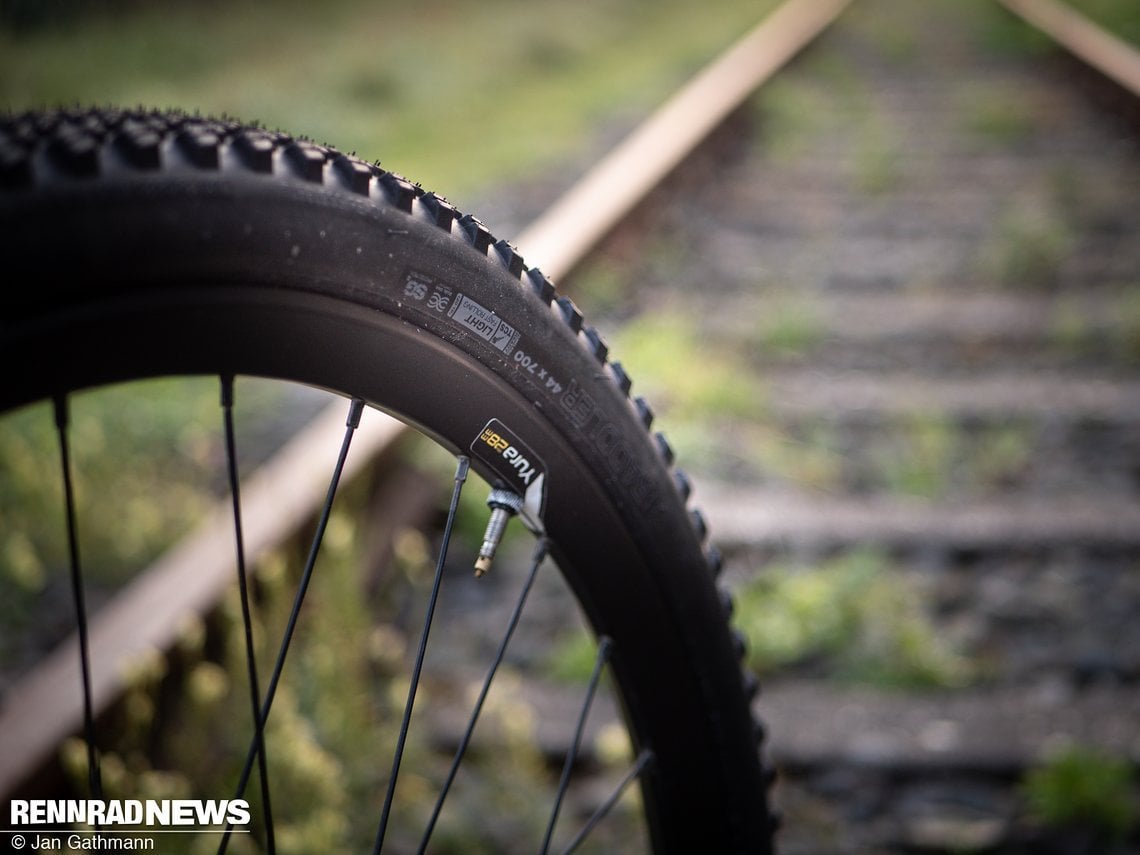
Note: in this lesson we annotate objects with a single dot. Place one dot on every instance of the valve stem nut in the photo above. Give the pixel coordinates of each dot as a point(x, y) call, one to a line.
point(503, 504)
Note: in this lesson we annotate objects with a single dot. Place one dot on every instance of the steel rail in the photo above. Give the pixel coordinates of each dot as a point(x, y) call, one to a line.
point(1092, 44)
point(42, 709)
point(565, 233)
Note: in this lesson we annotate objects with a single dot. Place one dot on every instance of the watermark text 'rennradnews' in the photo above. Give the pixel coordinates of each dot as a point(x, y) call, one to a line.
point(128, 812)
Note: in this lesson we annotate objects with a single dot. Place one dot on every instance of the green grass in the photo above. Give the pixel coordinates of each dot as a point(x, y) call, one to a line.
point(146, 465)
point(1030, 242)
point(853, 616)
point(920, 463)
point(710, 402)
point(929, 457)
point(1080, 787)
point(1126, 340)
point(119, 455)
point(789, 326)
point(1001, 117)
point(690, 377)
point(452, 93)
point(1007, 35)
point(796, 111)
point(118, 450)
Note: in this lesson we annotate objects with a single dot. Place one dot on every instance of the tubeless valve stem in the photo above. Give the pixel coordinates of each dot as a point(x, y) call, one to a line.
point(503, 504)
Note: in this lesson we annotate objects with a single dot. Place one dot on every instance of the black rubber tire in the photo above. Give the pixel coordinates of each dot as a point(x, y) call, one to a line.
point(144, 243)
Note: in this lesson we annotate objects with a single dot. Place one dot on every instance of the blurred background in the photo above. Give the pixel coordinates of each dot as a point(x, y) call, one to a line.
point(456, 94)
point(889, 315)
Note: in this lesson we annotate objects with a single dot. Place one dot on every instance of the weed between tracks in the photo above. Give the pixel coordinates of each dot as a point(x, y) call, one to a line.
point(1084, 794)
point(851, 619)
point(1030, 246)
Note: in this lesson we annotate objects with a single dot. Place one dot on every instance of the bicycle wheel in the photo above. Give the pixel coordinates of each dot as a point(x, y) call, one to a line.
point(143, 244)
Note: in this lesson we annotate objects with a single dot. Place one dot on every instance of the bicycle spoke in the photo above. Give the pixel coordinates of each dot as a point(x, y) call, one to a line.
point(62, 424)
point(512, 624)
point(460, 477)
point(247, 619)
point(643, 760)
point(604, 648)
point(356, 409)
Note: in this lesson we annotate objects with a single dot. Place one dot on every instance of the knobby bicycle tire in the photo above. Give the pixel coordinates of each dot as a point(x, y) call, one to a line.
point(141, 244)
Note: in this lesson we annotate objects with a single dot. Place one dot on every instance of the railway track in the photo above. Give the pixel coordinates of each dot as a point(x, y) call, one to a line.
point(849, 269)
point(900, 288)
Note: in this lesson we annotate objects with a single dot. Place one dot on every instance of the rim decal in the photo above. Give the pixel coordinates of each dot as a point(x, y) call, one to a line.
point(517, 465)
